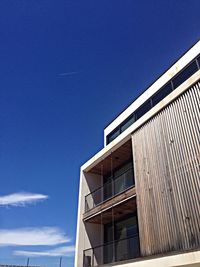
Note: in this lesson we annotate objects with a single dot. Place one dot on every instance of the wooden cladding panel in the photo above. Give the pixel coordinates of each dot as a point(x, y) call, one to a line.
point(166, 152)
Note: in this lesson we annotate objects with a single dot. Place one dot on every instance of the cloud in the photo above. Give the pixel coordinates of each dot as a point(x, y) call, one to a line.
point(45, 236)
point(68, 73)
point(21, 199)
point(65, 251)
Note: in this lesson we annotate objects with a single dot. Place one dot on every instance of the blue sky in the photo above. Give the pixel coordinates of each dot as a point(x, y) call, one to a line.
point(67, 69)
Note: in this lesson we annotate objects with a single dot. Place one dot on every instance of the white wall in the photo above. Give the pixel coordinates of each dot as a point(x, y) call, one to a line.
point(86, 233)
point(190, 259)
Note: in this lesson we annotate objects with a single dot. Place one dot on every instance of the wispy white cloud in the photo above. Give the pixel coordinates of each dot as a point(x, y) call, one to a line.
point(45, 236)
point(68, 73)
point(21, 199)
point(65, 251)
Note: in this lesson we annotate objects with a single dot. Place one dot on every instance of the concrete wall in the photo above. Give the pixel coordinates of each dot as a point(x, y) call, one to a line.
point(190, 259)
point(87, 235)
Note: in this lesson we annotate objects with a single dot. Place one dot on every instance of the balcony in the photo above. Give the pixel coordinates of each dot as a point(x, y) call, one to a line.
point(117, 185)
point(118, 250)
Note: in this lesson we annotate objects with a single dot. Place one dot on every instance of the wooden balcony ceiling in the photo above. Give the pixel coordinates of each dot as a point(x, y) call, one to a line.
point(104, 212)
point(114, 160)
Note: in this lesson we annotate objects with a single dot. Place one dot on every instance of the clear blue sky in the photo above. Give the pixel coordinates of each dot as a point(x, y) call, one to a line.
point(67, 68)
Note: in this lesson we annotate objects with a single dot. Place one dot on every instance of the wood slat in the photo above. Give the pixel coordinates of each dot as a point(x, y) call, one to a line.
point(166, 154)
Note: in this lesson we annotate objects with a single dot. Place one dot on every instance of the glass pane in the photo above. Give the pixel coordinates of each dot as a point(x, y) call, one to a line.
point(161, 94)
point(97, 256)
point(129, 181)
point(123, 169)
point(113, 135)
point(198, 59)
point(121, 250)
point(143, 109)
point(123, 178)
point(97, 198)
point(133, 247)
point(89, 202)
point(127, 123)
point(126, 228)
point(185, 74)
point(107, 190)
point(127, 249)
point(119, 185)
point(108, 233)
point(108, 253)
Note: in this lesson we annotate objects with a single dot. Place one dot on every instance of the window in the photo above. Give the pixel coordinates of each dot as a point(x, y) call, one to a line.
point(185, 74)
point(198, 59)
point(124, 233)
point(162, 93)
point(127, 122)
point(113, 135)
point(143, 109)
point(122, 179)
point(126, 228)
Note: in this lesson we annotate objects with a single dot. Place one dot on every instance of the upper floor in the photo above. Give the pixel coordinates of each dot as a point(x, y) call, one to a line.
point(178, 73)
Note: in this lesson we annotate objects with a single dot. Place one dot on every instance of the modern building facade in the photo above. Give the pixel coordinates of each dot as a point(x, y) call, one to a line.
point(139, 198)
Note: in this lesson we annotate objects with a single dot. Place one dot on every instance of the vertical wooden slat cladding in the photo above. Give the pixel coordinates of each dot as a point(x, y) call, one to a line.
point(166, 152)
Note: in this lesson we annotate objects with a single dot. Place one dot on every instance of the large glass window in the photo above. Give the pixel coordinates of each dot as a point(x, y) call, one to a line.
point(198, 59)
point(162, 93)
point(128, 122)
point(121, 239)
point(122, 179)
point(185, 74)
point(113, 135)
point(125, 228)
point(143, 109)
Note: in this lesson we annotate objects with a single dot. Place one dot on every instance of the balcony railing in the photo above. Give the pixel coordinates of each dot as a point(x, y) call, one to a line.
point(119, 250)
point(109, 189)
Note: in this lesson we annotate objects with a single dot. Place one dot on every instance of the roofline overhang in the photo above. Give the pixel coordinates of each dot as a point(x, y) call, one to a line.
point(126, 135)
point(172, 71)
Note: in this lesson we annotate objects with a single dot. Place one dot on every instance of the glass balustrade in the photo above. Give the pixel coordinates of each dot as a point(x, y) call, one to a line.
point(111, 188)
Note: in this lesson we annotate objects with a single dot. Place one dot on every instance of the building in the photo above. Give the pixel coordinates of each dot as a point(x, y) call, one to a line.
point(139, 199)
